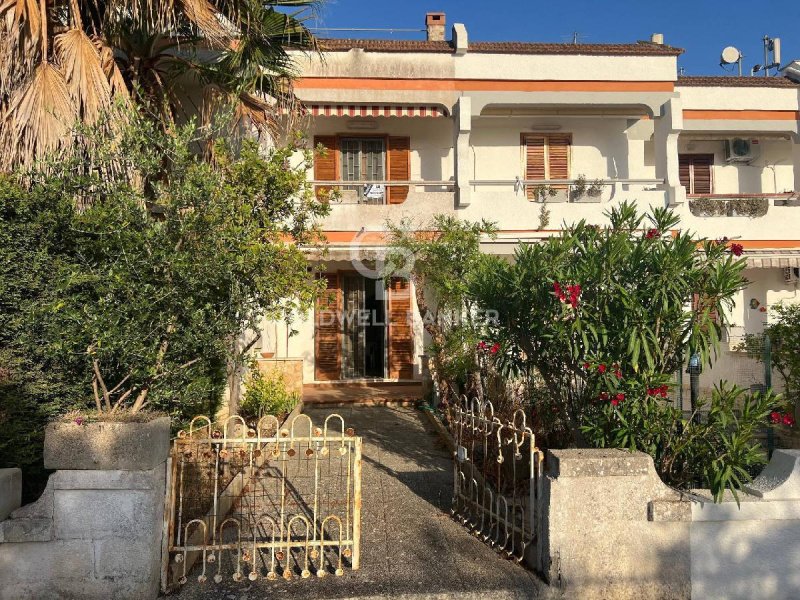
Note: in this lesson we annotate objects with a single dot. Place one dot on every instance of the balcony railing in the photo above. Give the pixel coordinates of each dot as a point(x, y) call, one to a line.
point(364, 191)
point(567, 190)
point(738, 205)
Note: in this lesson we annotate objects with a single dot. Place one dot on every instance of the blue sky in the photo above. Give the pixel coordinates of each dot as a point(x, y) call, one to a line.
point(701, 27)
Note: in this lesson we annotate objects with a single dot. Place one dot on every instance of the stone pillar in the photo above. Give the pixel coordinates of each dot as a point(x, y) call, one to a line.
point(611, 529)
point(96, 531)
point(462, 119)
point(668, 126)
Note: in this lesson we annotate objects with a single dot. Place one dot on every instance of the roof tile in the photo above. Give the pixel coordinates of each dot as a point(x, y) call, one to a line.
point(732, 81)
point(636, 49)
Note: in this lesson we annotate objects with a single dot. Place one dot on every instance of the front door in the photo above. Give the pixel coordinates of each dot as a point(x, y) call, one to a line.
point(363, 329)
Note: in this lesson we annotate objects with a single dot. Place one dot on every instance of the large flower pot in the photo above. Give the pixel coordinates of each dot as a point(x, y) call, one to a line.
point(107, 445)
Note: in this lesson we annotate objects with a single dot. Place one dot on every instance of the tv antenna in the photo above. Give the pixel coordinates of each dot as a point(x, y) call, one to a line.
point(730, 55)
point(771, 45)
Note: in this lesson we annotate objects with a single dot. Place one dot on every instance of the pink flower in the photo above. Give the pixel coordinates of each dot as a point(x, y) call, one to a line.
point(737, 249)
point(79, 421)
point(495, 348)
point(601, 369)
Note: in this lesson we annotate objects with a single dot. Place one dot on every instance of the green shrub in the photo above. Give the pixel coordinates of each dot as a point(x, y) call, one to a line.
point(266, 395)
point(716, 447)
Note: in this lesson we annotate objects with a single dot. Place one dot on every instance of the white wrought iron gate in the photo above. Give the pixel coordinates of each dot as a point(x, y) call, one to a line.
point(262, 501)
point(497, 476)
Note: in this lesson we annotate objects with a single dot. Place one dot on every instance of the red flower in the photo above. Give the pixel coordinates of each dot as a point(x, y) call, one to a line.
point(737, 249)
point(663, 391)
point(788, 420)
point(482, 345)
point(775, 417)
point(615, 402)
point(618, 373)
point(495, 348)
point(620, 397)
point(601, 369)
point(603, 395)
point(79, 421)
point(586, 365)
point(652, 233)
point(558, 291)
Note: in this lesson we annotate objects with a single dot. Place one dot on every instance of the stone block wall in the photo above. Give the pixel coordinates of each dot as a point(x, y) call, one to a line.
point(612, 529)
point(93, 534)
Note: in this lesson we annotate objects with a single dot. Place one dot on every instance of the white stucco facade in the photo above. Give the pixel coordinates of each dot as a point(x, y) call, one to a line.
point(629, 117)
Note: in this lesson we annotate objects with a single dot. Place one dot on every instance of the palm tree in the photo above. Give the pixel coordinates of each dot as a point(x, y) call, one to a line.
point(66, 61)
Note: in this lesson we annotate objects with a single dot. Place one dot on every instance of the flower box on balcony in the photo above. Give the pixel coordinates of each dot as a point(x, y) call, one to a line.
point(729, 206)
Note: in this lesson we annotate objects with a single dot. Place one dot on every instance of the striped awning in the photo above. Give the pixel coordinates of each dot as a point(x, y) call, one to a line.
point(375, 110)
point(773, 260)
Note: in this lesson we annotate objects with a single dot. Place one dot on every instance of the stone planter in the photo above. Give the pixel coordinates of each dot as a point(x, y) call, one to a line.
point(107, 445)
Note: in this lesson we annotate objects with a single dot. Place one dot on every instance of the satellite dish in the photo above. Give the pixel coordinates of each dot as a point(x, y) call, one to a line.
point(730, 55)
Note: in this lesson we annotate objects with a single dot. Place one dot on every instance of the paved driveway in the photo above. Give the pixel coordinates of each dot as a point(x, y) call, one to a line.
point(411, 547)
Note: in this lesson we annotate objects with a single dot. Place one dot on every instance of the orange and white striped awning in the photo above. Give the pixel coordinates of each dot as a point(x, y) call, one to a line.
point(375, 110)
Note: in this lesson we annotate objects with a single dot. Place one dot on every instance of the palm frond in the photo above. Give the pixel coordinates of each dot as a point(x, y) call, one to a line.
point(39, 117)
point(86, 81)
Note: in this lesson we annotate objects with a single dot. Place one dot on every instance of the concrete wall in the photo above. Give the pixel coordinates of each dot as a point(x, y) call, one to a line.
point(10, 491)
point(750, 550)
point(611, 529)
point(93, 534)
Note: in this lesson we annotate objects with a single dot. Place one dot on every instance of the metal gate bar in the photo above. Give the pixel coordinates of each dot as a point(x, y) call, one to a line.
point(269, 501)
point(497, 476)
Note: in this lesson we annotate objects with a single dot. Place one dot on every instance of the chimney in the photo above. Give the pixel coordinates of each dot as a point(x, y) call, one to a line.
point(657, 38)
point(434, 23)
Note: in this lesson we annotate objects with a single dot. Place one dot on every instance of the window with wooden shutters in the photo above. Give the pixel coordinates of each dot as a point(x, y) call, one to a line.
point(325, 162)
point(401, 341)
point(399, 159)
point(327, 328)
point(363, 159)
point(694, 172)
point(546, 157)
point(700, 305)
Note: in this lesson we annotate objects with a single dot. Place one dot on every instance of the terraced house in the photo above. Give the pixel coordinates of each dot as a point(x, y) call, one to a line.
point(490, 130)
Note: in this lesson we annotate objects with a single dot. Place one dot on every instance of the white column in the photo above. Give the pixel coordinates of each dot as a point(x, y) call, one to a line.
point(462, 126)
point(667, 128)
point(796, 160)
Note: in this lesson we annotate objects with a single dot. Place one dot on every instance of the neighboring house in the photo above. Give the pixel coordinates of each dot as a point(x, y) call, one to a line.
point(474, 128)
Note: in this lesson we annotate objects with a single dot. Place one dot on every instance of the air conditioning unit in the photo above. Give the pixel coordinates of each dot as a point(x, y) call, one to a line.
point(741, 150)
point(791, 275)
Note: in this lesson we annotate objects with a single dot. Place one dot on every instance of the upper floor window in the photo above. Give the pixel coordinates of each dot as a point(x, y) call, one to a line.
point(695, 172)
point(364, 159)
point(546, 157)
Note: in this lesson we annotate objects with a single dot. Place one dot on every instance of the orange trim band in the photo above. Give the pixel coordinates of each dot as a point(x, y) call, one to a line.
point(480, 85)
point(743, 115)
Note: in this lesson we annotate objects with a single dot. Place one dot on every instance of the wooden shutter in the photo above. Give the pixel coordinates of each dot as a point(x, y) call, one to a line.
point(701, 175)
point(694, 172)
point(399, 158)
point(325, 166)
point(401, 341)
point(685, 173)
point(535, 167)
point(558, 156)
point(699, 306)
point(327, 326)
